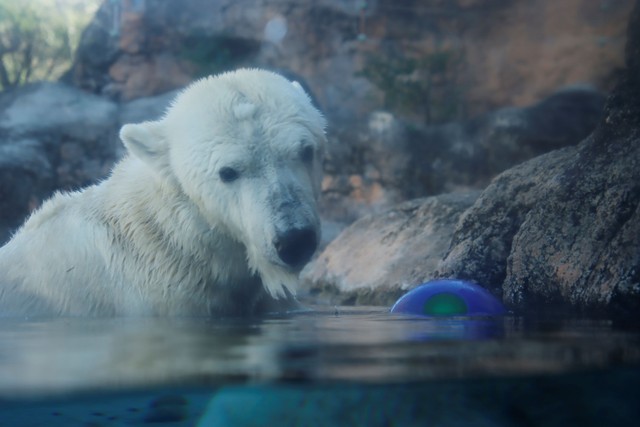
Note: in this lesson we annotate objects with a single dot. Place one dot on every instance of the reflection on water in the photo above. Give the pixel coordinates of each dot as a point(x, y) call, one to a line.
point(353, 367)
point(356, 345)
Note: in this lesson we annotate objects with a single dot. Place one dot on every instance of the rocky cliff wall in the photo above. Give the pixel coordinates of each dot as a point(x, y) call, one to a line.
point(428, 61)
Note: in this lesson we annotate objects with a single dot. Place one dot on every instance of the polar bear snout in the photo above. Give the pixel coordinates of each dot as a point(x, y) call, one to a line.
point(295, 246)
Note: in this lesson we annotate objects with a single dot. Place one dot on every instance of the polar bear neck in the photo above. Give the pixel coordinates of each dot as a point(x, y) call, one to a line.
point(169, 232)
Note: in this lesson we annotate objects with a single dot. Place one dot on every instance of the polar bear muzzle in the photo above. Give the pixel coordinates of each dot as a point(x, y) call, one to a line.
point(296, 246)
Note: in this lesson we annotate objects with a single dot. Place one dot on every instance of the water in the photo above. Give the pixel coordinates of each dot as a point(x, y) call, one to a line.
point(348, 366)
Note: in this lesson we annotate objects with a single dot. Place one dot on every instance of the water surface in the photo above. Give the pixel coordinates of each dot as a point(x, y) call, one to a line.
point(320, 366)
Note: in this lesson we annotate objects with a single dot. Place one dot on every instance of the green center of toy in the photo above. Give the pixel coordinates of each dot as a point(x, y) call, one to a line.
point(445, 304)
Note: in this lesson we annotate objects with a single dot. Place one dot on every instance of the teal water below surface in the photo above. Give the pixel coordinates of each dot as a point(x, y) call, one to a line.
point(327, 367)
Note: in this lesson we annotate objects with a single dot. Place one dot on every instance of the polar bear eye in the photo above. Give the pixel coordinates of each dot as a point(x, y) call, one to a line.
point(228, 174)
point(307, 154)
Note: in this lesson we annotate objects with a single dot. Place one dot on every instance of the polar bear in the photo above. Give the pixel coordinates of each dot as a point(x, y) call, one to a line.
point(213, 211)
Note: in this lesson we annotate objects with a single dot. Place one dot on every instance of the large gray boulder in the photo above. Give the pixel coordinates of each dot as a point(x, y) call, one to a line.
point(381, 256)
point(52, 136)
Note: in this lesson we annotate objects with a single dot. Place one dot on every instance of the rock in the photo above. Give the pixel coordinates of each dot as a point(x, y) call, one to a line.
point(390, 160)
point(49, 108)
point(447, 60)
point(53, 137)
point(131, 50)
point(25, 178)
point(562, 231)
point(132, 77)
point(482, 240)
point(144, 109)
point(381, 256)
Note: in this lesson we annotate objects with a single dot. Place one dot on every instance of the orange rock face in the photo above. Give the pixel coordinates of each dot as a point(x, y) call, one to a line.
point(505, 52)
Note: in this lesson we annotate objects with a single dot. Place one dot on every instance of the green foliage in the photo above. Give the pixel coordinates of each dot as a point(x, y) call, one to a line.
point(38, 37)
point(426, 86)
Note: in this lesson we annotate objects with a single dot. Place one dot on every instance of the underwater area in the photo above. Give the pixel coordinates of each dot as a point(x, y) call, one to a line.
point(340, 366)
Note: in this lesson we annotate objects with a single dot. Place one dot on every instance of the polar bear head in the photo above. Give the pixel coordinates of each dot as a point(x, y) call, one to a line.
point(246, 148)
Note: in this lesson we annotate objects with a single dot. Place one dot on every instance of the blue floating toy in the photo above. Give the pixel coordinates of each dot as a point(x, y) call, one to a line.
point(448, 297)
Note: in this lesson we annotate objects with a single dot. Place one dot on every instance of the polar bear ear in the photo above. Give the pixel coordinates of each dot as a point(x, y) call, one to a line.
point(300, 89)
point(146, 141)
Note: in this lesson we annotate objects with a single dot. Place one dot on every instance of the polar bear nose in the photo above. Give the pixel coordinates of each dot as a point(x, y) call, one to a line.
point(296, 246)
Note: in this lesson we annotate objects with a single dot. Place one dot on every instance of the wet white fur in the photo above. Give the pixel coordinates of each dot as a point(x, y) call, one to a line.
point(164, 235)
